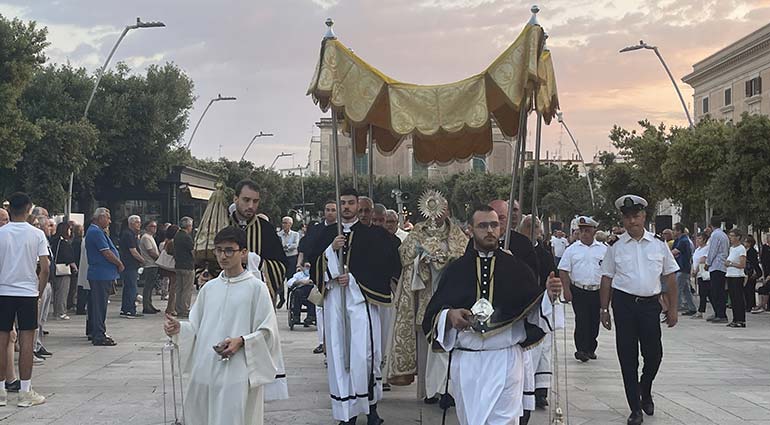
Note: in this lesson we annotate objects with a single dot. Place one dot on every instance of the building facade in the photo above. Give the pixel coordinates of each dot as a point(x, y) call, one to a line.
point(401, 162)
point(729, 82)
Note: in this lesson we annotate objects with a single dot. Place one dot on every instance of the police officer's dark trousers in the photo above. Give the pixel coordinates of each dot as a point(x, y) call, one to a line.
point(586, 306)
point(637, 325)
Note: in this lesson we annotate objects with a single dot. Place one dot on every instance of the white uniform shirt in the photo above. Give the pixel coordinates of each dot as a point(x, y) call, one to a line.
point(635, 267)
point(584, 262)
point(559, 245)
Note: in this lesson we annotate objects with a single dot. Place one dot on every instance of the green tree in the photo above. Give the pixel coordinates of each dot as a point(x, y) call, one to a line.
point(21, 53)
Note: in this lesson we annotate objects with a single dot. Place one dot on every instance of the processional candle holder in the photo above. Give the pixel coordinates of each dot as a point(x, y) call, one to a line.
point(171, 362)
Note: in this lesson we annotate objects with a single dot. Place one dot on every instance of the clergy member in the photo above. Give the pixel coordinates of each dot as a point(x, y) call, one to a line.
point(352, 340)
point(486, 346)
point(261, 238)
point(425, 253)
point(230, 347)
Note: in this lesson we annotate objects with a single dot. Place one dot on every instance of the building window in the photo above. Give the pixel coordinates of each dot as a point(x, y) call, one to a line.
point(705, 105)
point(479, 165)
point(728, 97)
point(753, 87)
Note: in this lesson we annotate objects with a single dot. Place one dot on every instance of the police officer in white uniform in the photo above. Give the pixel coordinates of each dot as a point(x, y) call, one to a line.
point(580, 270)
point(631, 279)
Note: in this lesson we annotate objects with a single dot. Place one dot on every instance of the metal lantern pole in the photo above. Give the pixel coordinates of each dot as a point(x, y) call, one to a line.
point(370, 158)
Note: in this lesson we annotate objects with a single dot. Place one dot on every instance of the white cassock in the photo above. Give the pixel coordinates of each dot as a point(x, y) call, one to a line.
point(488, 382)
point(349, 387)
point(229, 392)
point(537, 362)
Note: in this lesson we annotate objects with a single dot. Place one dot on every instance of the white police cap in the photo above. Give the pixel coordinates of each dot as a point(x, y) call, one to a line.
point(628, 203)
point(584, 221)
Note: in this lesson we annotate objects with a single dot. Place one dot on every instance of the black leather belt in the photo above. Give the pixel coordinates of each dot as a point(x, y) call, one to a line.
point(636, 298)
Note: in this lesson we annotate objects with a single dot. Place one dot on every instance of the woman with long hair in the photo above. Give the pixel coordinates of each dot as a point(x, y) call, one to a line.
point(736, 277)
point(64, 267)
point(753, 272)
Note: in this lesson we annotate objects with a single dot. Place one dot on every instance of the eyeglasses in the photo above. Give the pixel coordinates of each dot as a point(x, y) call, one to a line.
point(227, 252)
point(487, 225)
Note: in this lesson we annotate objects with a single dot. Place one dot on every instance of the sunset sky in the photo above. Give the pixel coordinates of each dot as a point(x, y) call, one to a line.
point(264, 51)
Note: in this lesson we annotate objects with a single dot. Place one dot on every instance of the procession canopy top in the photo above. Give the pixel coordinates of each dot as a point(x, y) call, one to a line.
point(447, 122)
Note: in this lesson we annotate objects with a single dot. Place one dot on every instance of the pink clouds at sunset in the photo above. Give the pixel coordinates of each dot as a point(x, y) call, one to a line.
point(264, 51)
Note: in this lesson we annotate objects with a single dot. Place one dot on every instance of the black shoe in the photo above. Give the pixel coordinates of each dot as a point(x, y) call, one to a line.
point(305, 324)
point(280, 304)
point(309, 321)
point(541, 402)
point(38, 355)
point(635, 418)
point(80, 313)
point(46, 332)
point(648, 406)
point(373, 418)
point(385, 387)
point(153, 311)
point(689, 313)
point(13, 387)
point(352, 421)
point(524, 420)
point(43, 352)
point(106, 342)
point(319, 349)
point(430, 400)
point(719, 320)
point(583, 357)
point(591, 356)
point(446, 401)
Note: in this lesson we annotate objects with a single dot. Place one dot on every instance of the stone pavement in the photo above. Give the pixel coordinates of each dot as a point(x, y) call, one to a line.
point(710, 374)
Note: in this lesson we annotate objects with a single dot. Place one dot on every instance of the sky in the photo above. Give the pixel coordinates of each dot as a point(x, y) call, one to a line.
point(264, 51)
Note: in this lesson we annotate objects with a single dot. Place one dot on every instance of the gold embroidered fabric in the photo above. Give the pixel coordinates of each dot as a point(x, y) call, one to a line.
point(450, 241)
point(447, 122)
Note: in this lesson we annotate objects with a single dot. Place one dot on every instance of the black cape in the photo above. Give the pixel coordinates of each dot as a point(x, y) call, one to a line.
point(371, 256)
point(545, 263)
point(512, 289)
point(263, 240)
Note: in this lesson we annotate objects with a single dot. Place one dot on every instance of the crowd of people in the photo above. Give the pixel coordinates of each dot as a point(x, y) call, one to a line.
point(383, 298)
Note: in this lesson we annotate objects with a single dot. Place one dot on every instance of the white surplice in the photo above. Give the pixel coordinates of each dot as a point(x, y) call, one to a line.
point(488, 383)
point(229, 392)
point(349, 386)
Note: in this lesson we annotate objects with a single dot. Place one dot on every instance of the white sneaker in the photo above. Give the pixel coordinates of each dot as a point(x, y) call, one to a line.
point(30, 398)
point(3, 397)
point(37, 361)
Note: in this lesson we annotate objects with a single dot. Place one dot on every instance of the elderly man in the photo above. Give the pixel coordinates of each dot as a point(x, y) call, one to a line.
point(580, 270)
point(22, 249)
point(391, 225)
point(4, 217)
point(378, 215)
point(365, 210)
point(290, 242)
point(132, 260)
point(104, 267)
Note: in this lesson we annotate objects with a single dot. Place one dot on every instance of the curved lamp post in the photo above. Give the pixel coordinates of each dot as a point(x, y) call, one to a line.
point(560, 117)
point(139, 24)
point(261, 134)
point(216, 99)
point(280, 155)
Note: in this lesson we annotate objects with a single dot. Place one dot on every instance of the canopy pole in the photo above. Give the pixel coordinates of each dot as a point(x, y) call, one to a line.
point(523, 159)
point(353, 157)
point(370, 157)
point(536, 174)
point(515, 173)
point(341, 259)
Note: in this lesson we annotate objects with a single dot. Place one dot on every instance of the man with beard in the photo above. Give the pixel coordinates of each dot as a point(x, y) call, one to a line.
point(488, 308)
point(261, 238)
point(356, 263)
point(425, 253)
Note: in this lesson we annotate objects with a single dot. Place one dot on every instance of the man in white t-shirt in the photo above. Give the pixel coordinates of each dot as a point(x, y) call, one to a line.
point(558, 244)
point(22, 247)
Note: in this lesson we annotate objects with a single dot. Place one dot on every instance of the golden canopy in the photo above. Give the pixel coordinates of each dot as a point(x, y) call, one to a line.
point(447, 122)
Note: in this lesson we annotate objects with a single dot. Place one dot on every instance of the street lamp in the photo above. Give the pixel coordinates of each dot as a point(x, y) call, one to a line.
point(139, 24)
point(261, 134)
point(560, 117)
point(216, 99)
point(643, 45)
point(280, 155)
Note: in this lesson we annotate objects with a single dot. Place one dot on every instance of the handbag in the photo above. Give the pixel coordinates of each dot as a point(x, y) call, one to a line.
point(165, 261)
point(60, 269)
point(315, 297)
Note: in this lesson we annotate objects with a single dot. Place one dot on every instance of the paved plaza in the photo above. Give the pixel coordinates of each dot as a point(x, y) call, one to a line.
point(711, 374)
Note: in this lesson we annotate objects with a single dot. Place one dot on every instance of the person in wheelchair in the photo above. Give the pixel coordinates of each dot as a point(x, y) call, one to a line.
point(299, 288)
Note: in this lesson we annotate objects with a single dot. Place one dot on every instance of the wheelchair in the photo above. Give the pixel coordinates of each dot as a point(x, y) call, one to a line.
point(293, 296)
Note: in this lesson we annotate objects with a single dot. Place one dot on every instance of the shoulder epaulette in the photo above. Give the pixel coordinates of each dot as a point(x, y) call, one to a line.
point(660, 238)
